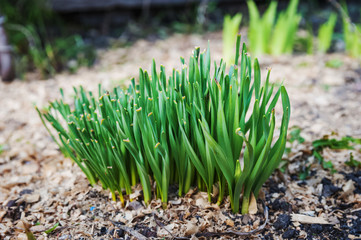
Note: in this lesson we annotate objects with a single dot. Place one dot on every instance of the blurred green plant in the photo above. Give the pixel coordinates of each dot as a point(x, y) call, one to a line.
point(304, 41)
point(352, 162)
point(351, 31)
point(295, 135)
point(325, 33)
point(352, 37)
point(230, 31)
point(187, 129)
point(37, 46)
point(334, 63)
point(270, 36)
point(325, 142)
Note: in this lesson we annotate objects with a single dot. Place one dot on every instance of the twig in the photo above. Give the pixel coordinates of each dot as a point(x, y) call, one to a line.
point(239, 234)
point(130, 230)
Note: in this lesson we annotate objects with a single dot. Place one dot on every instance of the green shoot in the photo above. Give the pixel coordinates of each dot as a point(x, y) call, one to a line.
point(52, 228)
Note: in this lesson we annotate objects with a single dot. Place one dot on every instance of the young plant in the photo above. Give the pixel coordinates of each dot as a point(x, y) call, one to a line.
point(325, 33)
point(188, 128)
point(230, 31)
point(271, 36)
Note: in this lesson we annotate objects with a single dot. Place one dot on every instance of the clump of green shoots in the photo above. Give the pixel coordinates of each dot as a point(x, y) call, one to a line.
point(270, 36)
point(188, 128)
point(325, 33)
point(352, 37)
point(229, 35)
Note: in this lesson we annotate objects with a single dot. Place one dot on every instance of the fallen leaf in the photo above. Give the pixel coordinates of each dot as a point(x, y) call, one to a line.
point(191, 229)
point(230, 223)
point(253, 205)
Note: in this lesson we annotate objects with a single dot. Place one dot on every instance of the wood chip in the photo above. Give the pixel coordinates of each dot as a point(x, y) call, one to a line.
point(31, 198)
point(16, 181)
point(2, 214)
point(38, 228)
point(308, 220)
point(348, 188)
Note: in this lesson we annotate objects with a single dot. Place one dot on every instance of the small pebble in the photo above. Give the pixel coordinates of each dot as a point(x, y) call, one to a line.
point(290, 233)
point(282, 222)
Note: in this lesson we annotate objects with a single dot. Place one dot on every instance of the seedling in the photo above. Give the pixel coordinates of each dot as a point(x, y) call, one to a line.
point(188, 128)
point(50, 230)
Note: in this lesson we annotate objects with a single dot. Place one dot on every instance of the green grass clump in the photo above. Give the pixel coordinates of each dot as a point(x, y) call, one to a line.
point(229, 35)
point(325, 33)
point(352, 37)
point(268, 35)
point(188, 128)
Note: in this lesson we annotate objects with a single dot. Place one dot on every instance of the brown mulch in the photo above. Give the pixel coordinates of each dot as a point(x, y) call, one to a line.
point(40, 188)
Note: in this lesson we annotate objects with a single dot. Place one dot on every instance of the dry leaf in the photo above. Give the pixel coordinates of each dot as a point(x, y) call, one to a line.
point(308, 220)
point(191, 229)
point(230, 223)
point(253, 205)
point(176, 202)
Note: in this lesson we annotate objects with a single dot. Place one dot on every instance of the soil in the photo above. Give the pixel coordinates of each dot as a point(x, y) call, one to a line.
point(39, 188)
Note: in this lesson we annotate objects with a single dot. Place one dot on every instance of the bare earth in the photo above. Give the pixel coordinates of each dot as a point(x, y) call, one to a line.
point(39, 187)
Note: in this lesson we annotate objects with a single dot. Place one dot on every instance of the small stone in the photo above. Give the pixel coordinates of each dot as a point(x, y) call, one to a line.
point(282, 222)
point(290, 233)
point(328, 188)
point(26, 191)
point(316, 228)
point(134, 205)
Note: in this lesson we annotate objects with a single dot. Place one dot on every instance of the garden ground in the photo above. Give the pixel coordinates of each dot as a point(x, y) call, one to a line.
point(40, 188)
